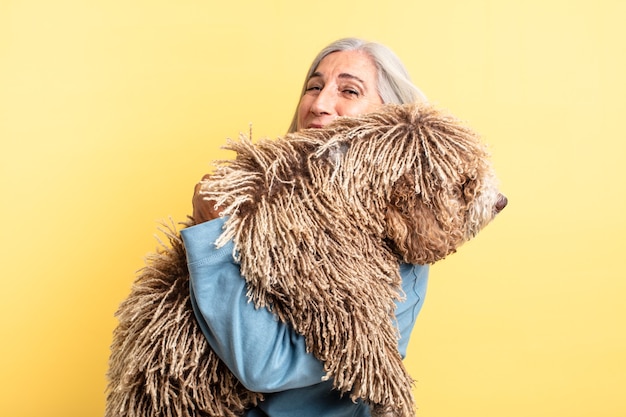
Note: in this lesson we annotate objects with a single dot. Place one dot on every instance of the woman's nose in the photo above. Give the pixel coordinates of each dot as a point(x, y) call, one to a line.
point(324, 103)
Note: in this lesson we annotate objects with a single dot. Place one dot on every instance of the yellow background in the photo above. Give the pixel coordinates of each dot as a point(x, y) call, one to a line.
point(110, 111)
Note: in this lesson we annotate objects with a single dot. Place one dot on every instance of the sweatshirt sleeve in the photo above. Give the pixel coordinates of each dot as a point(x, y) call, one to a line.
point(414, 284)
point(265, 354)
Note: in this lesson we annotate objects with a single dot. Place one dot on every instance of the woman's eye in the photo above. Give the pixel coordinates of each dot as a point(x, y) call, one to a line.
point(351, 92)
point(314, 88)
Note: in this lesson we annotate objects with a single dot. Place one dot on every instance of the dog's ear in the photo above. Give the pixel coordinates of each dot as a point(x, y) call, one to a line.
point(417, 231)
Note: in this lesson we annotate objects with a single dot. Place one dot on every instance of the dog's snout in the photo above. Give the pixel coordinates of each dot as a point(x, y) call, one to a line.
point(501, 203)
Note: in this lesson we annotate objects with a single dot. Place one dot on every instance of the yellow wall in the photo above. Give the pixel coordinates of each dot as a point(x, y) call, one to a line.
point(111, 110)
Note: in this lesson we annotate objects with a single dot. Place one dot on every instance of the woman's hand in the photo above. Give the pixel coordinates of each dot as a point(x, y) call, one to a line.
point(203, 209)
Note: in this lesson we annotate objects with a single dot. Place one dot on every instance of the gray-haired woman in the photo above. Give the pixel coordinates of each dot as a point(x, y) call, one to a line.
point(349, 77)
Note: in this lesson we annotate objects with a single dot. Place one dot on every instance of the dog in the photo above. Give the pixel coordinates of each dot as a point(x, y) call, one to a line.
point(342, 205)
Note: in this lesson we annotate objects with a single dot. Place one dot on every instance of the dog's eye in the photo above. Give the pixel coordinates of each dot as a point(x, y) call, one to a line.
point(466, 191)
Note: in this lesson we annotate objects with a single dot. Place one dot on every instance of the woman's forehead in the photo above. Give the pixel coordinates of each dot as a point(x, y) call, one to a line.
point(356, 65)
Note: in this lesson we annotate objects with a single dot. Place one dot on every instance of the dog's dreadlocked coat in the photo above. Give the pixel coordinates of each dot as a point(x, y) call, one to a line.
point(320, 220)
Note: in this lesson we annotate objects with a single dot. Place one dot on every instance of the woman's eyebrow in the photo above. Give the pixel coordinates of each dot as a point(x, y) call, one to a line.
point(351, 77)
point(318, 74)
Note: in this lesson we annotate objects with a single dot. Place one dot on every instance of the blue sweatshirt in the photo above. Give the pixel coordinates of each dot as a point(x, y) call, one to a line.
point(265, 354)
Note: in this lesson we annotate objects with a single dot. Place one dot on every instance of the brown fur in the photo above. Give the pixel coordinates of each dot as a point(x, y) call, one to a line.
point(320, 220)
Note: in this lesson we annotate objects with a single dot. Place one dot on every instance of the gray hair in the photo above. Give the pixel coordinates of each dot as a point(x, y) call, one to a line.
point(394, 82)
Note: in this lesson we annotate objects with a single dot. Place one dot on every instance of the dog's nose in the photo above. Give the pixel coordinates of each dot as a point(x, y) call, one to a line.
point(501, 203)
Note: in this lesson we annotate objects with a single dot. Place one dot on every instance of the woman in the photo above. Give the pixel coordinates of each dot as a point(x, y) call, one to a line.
point(347, 78)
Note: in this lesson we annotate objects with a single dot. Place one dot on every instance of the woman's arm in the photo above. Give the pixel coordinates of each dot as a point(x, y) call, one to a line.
point(265, 354)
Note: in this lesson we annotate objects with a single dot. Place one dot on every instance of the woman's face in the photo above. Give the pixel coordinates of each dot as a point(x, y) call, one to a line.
point(343, 84)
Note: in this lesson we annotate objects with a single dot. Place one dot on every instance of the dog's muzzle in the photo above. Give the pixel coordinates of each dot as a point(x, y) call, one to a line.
point(501, 203)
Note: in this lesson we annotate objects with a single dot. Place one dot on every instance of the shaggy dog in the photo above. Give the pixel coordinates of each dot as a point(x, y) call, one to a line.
point(320, 220)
